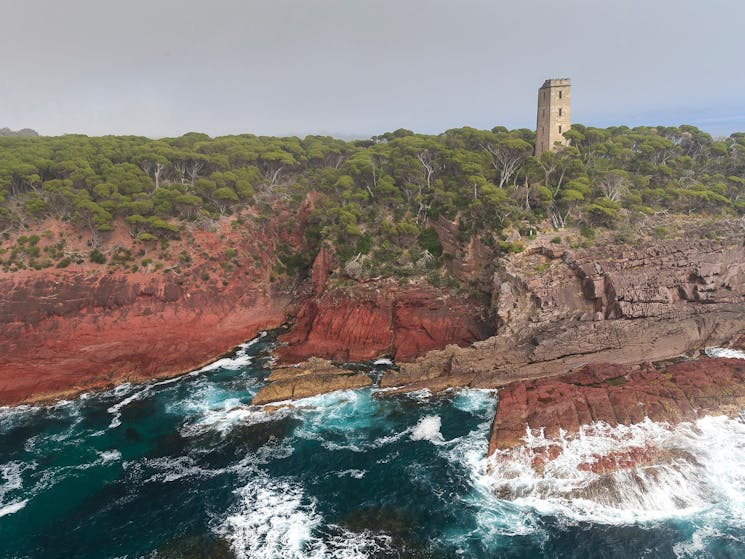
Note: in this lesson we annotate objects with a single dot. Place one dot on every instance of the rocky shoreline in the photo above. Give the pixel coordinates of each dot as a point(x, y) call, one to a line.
point(560, 406)
point(581, 320)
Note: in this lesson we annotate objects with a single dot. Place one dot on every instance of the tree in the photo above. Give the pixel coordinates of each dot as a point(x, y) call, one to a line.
point(507, 156)
point(614, 184)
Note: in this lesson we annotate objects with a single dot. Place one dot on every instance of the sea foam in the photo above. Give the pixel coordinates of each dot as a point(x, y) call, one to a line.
point(12, 508)
point(694, 467)
point(428, 429)
point(724, 352)
point(273, 519)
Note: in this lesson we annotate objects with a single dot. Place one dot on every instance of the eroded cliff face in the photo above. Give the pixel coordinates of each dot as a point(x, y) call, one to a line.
point(552, 311)
point(362, 321)
point(381, 319)
point(559, 310)
point(65, 333)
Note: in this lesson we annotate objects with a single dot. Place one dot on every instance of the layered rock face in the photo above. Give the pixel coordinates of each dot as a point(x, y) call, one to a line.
point(610, 394)
point(62, 332)
point(559, 310)
point(65, 333)
point(379, 318)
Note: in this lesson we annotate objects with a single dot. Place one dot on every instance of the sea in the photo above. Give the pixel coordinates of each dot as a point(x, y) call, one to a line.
point(187, 468)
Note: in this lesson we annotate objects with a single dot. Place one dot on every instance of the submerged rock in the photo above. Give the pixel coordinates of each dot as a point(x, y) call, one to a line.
point(314, 376)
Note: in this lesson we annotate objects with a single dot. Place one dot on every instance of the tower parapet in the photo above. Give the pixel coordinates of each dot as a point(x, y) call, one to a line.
point(554, 114)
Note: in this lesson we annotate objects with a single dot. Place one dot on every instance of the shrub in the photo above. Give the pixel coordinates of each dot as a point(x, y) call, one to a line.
point(97, 257)
point(430, 241)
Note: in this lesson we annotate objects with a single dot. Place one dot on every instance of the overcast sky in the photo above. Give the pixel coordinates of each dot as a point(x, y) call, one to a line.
point(362, 67)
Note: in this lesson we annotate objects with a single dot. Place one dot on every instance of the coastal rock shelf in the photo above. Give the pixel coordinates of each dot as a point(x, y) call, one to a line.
point(610, 394)
point(315, 376)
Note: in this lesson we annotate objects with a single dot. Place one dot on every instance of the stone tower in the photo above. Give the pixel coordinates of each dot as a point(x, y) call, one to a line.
point(554, 114)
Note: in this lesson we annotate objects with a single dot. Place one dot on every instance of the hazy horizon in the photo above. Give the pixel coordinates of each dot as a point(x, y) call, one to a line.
point(357, 69)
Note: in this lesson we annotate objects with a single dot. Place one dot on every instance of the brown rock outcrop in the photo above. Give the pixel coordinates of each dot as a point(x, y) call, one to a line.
point(315, 376)
point(610, 394)
point(558, 310)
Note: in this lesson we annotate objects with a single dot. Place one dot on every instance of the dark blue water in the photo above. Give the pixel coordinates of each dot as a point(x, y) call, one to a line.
point(185, 468)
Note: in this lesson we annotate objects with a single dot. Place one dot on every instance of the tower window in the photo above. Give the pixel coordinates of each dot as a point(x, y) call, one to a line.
point(560, 94)
point(559, 111)
point(559, 128)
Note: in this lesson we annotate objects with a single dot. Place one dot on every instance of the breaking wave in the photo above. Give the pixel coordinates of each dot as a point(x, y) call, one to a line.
point(724, 352)
point(625, 474)
point(273, 519)
point(428, 429)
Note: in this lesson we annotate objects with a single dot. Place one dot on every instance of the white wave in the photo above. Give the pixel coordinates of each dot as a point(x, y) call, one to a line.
point(12, 508)
point(693, 467)
point(12, 477)
point(238, 361)
point(479, 402)
point(273, 519)
point(330, 445)
point(11, 474)
point(115, 410)
point(345, 544)
point(169, 469)
point(229, 363)
point(356, 474)
point(110, 456)
point(382, 361)
point(343, 420)
point(495, 518)
point(122, 389)
point(231, 414)
point(724, 352)
point(421, 395)
point(344, 411)
point(428, 429)
point(10, 416)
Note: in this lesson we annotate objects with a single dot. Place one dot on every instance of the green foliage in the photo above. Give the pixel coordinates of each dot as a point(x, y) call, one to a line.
point(430, 241)
point(97, 257)
point(376, 197)
point(510, 248)
point(292, 262)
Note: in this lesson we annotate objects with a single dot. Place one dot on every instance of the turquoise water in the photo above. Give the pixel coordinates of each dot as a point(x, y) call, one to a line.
point(185, 468)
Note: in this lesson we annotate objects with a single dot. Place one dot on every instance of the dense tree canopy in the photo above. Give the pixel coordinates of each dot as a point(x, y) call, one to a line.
point(374, 198)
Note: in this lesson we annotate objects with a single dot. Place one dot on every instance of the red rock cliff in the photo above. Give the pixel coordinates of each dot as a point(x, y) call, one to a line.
point(369, 320)
point(64, 333)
